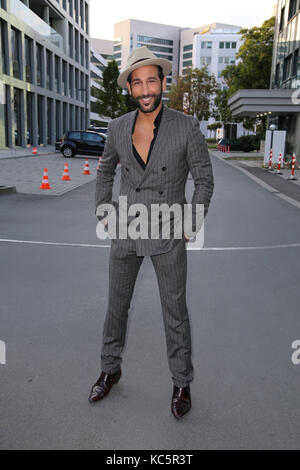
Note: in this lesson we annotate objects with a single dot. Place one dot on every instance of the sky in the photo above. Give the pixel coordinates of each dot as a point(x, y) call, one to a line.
point(184, 13)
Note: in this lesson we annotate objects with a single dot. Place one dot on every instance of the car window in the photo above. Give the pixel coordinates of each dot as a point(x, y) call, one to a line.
point(92, 137)
point(74, 135)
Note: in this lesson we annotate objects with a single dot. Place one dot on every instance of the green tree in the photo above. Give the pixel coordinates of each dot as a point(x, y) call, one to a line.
point(193, 92)
point(255, 59)
point(111, 101)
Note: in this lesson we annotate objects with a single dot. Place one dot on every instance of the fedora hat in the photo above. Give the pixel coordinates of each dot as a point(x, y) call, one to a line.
point(140, 57)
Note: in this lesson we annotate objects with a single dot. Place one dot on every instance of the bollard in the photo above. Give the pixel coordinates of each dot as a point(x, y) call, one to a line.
point(292, 178)
point(278, 172)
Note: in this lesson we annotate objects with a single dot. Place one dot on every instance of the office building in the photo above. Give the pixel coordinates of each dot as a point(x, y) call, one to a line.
point(162, 40)
point(214, 46)
point(44, 70)
point(280, 103)
point(97, 66)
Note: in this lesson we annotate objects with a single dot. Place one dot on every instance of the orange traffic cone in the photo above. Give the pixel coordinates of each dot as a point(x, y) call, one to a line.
point(66, 176)
point(34, 151)
point(45, 183)
point(86, 168)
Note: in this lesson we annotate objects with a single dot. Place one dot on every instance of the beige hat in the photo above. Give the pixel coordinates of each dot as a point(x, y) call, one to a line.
point(140, 57)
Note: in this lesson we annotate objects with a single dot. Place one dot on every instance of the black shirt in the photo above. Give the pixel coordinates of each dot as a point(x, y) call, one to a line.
point(155, 132)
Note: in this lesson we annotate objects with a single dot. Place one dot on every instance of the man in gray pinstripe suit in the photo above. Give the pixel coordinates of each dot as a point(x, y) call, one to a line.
point(157, 147)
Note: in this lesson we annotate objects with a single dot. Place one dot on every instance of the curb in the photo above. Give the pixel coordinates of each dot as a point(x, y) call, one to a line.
point(7, 189)
point(28, 155)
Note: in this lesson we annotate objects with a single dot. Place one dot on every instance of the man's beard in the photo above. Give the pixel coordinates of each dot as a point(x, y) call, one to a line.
point(157, 101)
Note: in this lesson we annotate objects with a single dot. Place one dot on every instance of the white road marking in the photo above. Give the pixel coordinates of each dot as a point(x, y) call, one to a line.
point(225, 248)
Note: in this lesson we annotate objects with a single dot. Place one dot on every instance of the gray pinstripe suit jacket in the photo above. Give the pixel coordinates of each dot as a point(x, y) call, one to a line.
point(179, 148)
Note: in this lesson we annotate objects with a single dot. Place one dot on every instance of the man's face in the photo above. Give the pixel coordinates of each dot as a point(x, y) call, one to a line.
point(146, 88)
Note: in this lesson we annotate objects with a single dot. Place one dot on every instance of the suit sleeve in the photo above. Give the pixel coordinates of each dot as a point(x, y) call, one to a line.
point(106, 173)
point(201, 170)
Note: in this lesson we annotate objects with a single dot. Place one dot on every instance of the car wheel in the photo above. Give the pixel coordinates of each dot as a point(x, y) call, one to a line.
point(68, 152)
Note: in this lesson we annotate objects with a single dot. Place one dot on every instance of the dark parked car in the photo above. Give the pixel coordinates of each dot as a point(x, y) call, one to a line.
point(235, 145)
point(82, 143)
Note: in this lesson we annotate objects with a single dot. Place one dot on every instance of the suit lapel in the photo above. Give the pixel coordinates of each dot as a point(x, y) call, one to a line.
point(160, 141)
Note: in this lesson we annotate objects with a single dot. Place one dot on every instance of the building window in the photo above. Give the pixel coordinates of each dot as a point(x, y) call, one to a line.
point(71, 41)
point(281, 19)
point(17, 116)
point(203, 44)
point(28, 59)
point(76, 45)
point(49, 120)
point(81, 15)
point(86, 18)
point(57, 120)
point(57, 74)
point(70, 9)
point(292, 9)
point(29, 114)
point(227, 45)
point(189, 47)
point(187, 63)
point(209, 44)
point(233, 45)
point(277, 71)
point(71, 92)
point(287, 67)
point(77, 84)
point(221, 45)
point(3, 4)
point(295, 63)
point(39, 70)
point(41, 122)
point(76, 11)
point(15, 52)
point(81, 50)
point(87, 54)
point(188, 55)
point(3, 55)
point(150, 39)
point(49, 70)
point(64, 78)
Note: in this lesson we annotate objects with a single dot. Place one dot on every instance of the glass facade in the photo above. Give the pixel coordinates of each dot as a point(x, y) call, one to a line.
point(286, 63)
point(41, 102)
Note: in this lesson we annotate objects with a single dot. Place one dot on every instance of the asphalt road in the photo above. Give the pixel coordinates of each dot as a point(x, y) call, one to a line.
point(243, 299)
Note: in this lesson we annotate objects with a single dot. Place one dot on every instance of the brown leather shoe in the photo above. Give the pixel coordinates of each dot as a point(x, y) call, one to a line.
point(181, 401)
point(103, 385)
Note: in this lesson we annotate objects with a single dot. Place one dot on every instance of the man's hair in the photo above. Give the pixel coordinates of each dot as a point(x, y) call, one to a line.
point(160, 74)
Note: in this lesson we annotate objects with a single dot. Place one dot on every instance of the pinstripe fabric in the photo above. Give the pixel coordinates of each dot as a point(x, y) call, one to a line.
point(179, 148)
point(171, 271)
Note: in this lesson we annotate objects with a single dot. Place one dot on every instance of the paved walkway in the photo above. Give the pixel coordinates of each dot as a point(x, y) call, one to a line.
point(279, 184)
point(20, 152)
point(26, 174)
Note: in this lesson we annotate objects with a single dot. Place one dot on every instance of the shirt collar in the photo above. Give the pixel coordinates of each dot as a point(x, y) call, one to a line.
point(157, 119)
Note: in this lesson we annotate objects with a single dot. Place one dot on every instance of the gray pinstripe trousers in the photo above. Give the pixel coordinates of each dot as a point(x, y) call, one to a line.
point(171, 271)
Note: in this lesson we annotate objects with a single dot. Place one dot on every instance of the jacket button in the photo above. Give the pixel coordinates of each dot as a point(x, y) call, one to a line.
point(160, 192)
point(164, 168)
point(137, 213)
point(138, 190)
point(127, 169)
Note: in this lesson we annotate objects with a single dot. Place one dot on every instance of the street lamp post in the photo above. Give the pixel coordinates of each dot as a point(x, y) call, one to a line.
point(272, 129)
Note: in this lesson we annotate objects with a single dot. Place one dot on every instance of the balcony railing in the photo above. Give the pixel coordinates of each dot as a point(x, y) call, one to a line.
point(21, 11)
